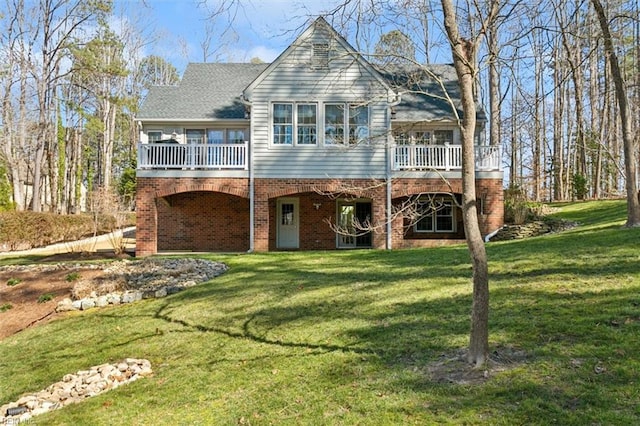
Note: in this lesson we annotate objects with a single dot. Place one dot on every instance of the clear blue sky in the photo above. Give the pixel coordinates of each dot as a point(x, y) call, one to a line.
point(260, 28)
point(175, 29)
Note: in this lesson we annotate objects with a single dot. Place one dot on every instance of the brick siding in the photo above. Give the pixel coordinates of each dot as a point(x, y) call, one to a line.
point(212, 214)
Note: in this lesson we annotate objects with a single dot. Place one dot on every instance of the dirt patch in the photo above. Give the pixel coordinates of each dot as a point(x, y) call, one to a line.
point(454, 368)
point(24, 304)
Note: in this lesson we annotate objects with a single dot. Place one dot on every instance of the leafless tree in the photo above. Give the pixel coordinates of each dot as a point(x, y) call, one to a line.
point(630, 148)
point(464, 52)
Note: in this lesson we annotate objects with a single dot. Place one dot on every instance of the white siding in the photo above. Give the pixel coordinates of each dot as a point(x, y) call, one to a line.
point(295, 80)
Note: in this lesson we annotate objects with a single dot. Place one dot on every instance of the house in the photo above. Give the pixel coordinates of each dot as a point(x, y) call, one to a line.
point(317, 150)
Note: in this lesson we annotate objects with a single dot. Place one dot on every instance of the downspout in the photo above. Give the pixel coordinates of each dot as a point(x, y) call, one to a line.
point(489, 236)
point(252, 198)
point(393, 103)
point(251, 195)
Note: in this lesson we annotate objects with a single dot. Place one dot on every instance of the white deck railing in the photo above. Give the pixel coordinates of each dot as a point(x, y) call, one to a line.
point(442, 157)
point(192, 156)
point(234, 156)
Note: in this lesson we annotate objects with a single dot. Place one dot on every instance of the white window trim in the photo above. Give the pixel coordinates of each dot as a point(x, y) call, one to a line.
point(225, 134)
point(154, 131)
point(199, 129)
point(346, 106)
point(294, 110)
point(297, 125)
point(412, 138)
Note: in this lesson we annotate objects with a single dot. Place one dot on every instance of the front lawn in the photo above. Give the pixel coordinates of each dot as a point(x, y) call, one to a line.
point(353, 337)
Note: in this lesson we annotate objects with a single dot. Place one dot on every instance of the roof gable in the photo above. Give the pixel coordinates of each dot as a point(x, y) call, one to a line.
point(317, 54)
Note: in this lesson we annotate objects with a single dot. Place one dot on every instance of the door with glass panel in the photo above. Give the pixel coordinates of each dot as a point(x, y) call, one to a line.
point(288, 219)
point(195, 142)
point(354, 224)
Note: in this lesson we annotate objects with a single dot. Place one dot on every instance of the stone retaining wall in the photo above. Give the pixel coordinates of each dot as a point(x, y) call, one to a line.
point(531, 229)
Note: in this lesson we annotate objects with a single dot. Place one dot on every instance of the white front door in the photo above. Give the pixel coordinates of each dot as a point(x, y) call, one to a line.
point(288, 220)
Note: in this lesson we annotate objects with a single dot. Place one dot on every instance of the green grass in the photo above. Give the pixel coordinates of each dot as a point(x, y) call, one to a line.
point(72, 276)
point(46, 297)
point(13, 281)
point(348, 337)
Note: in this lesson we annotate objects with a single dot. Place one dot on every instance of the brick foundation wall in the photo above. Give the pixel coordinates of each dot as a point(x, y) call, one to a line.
point(212, 214)
point(156, 194)
point(490, 214)
point(314, 233)
point(204, 221)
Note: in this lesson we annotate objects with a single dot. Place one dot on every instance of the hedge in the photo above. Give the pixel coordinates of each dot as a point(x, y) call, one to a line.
point(25, 230)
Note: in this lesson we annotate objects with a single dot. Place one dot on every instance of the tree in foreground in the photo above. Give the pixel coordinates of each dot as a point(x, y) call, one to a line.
point(466, 65)
point(629, 145)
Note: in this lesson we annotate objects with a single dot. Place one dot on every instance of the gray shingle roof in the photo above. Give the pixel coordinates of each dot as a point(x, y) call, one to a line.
point(211, 91)
point(207, 91)
point(425, 92)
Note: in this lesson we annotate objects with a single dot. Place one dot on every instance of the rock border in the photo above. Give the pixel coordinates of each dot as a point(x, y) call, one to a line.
point(146, 279)
point(74, 388)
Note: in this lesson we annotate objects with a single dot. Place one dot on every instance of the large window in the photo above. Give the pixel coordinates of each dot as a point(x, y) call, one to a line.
point(441, 137)
point(154, 136)
point(224, 136)
point(235, 136)
point(358, 124)
point(299, 119)
point(334, 124)
point(307, 121)
point(344, 124)
point(283, 124)
point(195, 136)
point(437, 215)
point(402, 137)
point(215, 136)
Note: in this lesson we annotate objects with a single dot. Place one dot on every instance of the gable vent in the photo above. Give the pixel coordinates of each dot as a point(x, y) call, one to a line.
point(320, 56)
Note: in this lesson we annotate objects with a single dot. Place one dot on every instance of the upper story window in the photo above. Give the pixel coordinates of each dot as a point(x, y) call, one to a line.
point(334, 124)
point(320, 56)
point(235, 136)
point(215, 136)
point(307, 123)
point(222, 136)
point(344, 124)
point(358, 124)
point(421, 137)
point(195, 136)
point(412, 137)
point(282, 124)
point(300, 119)
point(440, 137)
point(154, 136)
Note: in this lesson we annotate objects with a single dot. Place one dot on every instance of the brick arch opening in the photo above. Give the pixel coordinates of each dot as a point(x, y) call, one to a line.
point(241, 190)
point(203, 221)
point(359, 188)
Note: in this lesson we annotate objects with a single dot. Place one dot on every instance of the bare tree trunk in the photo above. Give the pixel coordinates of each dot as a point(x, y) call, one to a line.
point(537, 128)
point(465, 62)
point(494, 87)
point(109, 123)
point(558, 151)
point(574, 60)
point(513, 163)
point(596, 104)
point(629, 146)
